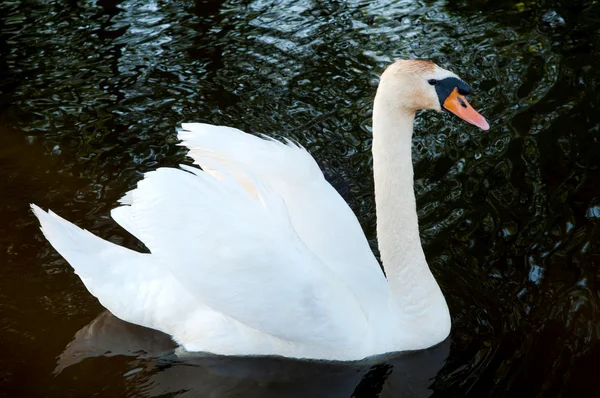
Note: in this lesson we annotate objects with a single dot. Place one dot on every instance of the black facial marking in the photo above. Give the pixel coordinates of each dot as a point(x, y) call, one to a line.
point(445, 86)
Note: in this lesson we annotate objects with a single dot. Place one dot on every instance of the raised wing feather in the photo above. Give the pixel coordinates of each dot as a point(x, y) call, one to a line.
point(321, 218)
point(241, 256)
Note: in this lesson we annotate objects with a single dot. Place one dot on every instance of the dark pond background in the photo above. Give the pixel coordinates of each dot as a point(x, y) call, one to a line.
point(91, 93)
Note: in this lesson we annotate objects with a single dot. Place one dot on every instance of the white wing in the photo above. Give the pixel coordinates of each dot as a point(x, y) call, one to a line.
point(258, 255)
point(319, 215)
point(241, 257)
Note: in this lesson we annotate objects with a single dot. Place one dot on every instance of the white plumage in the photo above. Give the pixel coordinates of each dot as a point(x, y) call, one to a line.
point(257, 254)
point(227, 273)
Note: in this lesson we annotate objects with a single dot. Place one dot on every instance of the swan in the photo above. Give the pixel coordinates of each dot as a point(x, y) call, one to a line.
point(256, 253)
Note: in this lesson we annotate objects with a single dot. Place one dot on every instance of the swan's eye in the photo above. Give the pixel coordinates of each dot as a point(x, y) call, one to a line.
point(433, 82)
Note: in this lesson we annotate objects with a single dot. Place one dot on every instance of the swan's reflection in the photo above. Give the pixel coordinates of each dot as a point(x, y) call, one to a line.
point(171, 371)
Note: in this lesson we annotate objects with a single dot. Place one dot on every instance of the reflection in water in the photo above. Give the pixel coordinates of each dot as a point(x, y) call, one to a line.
point(162, 369)
point(91, 92)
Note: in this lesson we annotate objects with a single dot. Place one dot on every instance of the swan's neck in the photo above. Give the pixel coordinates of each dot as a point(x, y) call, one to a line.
point(414, 290)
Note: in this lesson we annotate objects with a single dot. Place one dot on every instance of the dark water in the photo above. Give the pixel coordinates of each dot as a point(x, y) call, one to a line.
point(91, 93)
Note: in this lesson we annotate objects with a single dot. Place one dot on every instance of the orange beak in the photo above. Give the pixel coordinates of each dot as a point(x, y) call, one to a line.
point(458, 105)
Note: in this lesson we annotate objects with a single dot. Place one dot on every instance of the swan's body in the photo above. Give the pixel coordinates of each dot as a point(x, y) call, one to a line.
point(259, 255)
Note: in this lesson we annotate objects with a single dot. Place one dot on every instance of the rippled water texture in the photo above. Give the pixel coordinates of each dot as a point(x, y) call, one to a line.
point(91, 93)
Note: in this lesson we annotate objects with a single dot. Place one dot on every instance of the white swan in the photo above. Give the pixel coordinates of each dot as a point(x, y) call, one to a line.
point(259, 255)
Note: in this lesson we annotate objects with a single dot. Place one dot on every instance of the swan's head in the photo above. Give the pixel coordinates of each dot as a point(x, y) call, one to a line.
point(417, 85)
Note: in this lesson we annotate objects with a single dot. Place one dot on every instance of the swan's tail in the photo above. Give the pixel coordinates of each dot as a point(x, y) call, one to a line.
point(88, 254)
point(124, 281)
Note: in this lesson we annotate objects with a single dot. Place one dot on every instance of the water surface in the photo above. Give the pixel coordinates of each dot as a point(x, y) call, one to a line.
point(91, 93)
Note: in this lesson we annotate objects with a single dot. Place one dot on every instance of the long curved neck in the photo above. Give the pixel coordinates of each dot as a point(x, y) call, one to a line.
point(412, 285)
